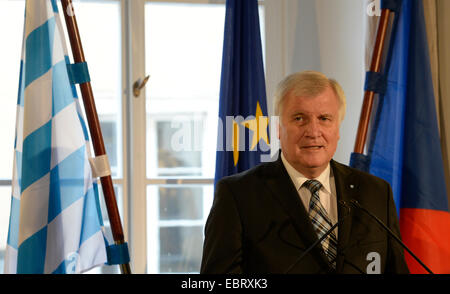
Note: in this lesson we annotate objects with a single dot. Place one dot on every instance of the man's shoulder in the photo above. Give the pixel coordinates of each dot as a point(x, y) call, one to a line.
point(259, 172)
point(361, 175)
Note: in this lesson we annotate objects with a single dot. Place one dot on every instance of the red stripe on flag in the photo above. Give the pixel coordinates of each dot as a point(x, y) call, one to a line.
point(427, 233)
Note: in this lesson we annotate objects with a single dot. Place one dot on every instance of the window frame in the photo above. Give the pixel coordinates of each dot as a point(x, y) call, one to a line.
point(154, 182)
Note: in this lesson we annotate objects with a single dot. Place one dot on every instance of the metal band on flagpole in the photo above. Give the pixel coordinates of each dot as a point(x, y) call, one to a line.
point(375, 66)
point(94, 128)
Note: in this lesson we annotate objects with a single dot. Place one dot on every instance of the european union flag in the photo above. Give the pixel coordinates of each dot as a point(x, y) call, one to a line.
point(243, 121)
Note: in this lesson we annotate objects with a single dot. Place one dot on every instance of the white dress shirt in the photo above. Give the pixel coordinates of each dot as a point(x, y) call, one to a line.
point(327, 192)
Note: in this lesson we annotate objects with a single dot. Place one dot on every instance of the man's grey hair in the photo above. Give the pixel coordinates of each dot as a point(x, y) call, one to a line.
point(308, 84)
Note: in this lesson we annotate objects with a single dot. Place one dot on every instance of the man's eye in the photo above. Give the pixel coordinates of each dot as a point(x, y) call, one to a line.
point(298, 118)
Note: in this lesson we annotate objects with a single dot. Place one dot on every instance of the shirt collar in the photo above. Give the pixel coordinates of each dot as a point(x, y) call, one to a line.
point(298, 178)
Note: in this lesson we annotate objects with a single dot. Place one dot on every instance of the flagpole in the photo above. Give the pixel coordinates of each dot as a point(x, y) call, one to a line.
point(375, 66)
point(94, 128)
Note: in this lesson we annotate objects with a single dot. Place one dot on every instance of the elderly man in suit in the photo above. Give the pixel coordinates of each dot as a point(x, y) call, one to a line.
point(264, 220)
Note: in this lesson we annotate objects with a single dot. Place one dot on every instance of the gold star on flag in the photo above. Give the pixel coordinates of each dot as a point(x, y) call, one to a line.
point(258, 126)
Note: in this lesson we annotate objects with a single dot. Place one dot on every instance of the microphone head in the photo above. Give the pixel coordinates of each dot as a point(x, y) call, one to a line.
point(343, 203)
point(355, 203)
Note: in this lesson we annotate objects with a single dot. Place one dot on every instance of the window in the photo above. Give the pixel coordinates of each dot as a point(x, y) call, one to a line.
point(183, 52)
point(183, 58)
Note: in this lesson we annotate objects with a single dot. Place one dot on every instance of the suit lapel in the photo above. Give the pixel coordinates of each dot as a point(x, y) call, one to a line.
point(347, 186)
point(284, 192)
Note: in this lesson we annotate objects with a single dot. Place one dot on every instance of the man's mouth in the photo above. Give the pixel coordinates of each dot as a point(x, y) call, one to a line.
point(313, 147)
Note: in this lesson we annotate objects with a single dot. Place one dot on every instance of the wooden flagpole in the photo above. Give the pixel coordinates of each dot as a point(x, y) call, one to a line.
point(375, 66)
point(94, 128)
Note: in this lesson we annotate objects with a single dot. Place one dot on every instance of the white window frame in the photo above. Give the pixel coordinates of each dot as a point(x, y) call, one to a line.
point(135, 179)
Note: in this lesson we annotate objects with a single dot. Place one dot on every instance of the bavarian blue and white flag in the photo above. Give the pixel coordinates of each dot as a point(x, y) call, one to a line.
point(55, 223)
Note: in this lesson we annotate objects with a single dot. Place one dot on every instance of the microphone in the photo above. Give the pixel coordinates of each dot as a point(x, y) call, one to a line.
point(392, 234)
point(342, 203)
point(341, 253)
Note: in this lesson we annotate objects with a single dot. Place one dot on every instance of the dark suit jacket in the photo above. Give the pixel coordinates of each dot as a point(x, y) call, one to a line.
point(258, 224)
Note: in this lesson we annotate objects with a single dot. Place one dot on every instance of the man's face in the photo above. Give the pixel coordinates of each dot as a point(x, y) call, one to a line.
point(309, 131)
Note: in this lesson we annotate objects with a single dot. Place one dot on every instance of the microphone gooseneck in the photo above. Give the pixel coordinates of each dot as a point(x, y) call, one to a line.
point(356, 204)
point(318, 241)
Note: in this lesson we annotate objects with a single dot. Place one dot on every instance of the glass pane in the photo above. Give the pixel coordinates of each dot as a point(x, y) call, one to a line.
point(177, 152)
point(181, 249)
point(183, 58)
point(110, 136)
point(11, 22)
point(99, 23)
point(180, 203)
point(176, 215)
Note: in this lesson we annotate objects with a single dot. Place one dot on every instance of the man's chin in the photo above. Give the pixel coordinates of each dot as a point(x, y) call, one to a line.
point(313, 159)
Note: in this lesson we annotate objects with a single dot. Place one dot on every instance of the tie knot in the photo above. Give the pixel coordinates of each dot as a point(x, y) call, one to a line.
point(312, 185)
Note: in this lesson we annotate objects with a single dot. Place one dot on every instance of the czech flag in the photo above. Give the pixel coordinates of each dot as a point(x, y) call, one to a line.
point(404, 145)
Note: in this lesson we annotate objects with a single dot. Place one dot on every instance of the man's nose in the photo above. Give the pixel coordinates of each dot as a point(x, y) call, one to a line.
point(313, 129)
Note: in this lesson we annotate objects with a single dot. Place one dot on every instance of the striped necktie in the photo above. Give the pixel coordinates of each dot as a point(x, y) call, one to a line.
point(320, 221)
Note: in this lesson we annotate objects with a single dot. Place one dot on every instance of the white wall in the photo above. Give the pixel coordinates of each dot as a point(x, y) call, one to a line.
point(322, 35)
